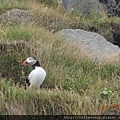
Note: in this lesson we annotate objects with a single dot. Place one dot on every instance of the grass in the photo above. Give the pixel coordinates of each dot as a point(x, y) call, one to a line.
point(74, 84)
point(16, 33)
point(49, 101)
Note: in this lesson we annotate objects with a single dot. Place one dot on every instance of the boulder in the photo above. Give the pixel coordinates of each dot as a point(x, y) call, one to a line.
point(91, 44)
point(111, 7)
point(82, 6)
point(16, 15)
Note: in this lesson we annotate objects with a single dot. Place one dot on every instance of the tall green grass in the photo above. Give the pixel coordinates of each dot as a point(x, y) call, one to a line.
point(53, 3)
point(16, 32)
point(16, 100)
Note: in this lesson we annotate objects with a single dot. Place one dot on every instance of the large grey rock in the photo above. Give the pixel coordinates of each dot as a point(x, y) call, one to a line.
point(16, 15)
point(92, 44)
point(82, 6)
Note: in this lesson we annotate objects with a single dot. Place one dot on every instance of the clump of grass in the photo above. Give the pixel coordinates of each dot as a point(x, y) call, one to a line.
point(11, 60)
point(53, 3)
point(17, 33)
point(16, 100)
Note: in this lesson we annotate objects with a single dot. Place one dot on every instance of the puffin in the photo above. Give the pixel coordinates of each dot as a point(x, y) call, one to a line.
point(37, 75)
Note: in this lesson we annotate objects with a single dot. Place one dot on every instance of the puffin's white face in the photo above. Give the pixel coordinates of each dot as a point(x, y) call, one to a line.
point(30, 61)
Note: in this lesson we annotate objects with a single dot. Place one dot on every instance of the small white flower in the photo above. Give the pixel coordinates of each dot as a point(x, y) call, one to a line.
point(104, 92)
point(72, 9)
point(105, 88)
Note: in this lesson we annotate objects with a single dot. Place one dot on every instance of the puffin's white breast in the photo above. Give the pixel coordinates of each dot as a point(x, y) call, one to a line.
point(37, 76)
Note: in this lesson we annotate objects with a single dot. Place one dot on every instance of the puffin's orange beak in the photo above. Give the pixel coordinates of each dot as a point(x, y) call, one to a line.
point(24, 62)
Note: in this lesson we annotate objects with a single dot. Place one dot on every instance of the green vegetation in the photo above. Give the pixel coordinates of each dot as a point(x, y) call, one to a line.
point(74, 83)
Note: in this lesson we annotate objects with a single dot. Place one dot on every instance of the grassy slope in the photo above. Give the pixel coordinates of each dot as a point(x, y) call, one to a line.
point(74, 84)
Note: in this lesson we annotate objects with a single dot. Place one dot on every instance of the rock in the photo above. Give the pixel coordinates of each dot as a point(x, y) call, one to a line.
point(82, 6)
point(92, 44)
point(16, 15)
point(113, 7)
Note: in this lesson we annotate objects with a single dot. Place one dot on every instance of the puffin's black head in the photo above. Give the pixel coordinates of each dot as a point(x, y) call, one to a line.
point(32, 61)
